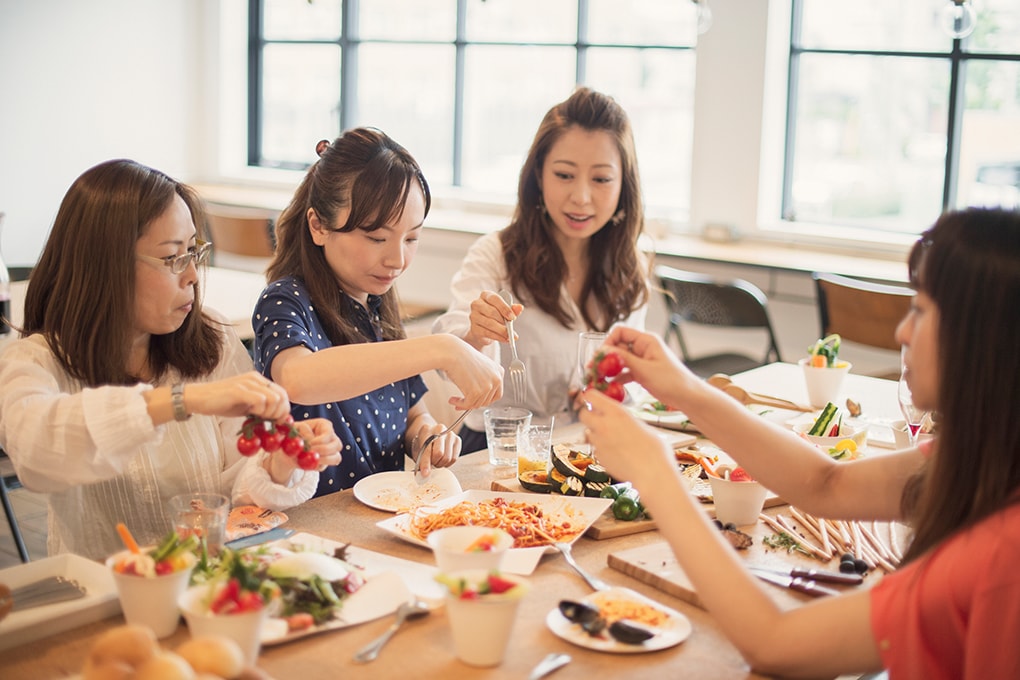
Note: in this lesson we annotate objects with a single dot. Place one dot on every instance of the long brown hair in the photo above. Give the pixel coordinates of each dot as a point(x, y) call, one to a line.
point(617, 280)
point(367, 171)
point(81, 293)
point(968, 262)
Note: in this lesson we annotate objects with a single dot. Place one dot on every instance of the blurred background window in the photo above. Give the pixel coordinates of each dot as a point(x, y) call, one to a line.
point(897, 112)
point(463, 84)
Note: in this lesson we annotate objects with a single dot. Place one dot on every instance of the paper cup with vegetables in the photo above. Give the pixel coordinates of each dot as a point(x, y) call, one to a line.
point(482, 607)
point(469, 547)
point(738, 498)
point(229, 610)
point(834, 432)
point(150, 580)
point(824, 371)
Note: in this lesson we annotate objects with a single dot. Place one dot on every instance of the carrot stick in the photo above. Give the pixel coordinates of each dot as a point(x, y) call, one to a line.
point(127, 538)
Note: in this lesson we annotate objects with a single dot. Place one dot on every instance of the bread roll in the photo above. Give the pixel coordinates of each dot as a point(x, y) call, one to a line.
point(213, 654)
point(132, 645)
point(165, 666)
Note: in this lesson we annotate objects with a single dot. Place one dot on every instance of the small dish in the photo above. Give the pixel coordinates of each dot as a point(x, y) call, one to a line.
point(856, 431)
point(100, 599)
point(398, 491)
point(674, 629)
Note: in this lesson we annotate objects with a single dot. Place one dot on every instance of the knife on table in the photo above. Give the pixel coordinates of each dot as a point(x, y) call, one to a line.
point(801, 585)
point(815, 575)
point(259, 538)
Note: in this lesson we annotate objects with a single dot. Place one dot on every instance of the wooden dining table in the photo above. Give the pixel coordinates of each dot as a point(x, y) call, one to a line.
point(424, 647)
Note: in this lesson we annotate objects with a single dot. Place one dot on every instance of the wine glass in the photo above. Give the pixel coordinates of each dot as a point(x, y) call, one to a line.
point(913, 415)
point(588, 343)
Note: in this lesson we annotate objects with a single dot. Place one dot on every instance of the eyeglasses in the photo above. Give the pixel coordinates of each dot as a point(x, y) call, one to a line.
point(178, 263)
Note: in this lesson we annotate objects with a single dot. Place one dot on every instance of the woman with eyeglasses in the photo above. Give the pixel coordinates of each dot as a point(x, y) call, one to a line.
point(123, 391)
point(954, 600)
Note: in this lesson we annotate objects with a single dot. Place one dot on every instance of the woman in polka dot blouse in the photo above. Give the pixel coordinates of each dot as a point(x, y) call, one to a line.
point(327, 327)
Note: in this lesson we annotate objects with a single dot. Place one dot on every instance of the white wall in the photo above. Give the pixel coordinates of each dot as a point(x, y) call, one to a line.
point(83, 82)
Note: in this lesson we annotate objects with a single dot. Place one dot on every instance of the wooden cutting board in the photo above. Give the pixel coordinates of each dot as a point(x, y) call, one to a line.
point(655, 565)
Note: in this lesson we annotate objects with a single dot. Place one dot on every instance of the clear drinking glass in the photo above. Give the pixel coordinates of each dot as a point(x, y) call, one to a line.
point(588, 343)
point(913, 415)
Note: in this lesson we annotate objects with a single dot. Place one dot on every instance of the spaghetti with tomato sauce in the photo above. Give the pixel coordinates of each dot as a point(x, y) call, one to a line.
point(529, 525)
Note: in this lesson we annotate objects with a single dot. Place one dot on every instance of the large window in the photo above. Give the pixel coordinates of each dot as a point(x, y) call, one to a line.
point(463, 84)
point(892, 120)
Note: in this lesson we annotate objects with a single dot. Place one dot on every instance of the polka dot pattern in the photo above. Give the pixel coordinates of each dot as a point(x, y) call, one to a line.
point(371, 426)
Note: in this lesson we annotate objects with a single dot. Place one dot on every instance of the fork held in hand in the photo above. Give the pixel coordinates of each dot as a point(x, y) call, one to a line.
point(518, 378)
point(432, 437)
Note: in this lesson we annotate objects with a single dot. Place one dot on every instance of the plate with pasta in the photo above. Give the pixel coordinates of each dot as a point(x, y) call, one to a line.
point(669, 626)
point(535, 521)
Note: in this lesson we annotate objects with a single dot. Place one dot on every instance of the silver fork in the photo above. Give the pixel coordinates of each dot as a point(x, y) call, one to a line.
point(595, 582)
point(431, 438)
point(518, 378)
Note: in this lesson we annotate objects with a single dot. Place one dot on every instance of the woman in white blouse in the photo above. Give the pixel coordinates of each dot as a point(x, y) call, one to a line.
point(570, 255)
point(123, 391)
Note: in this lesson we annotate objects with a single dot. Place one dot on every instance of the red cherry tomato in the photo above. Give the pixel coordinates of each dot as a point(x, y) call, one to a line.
point(308, 460)
point(740, 475)
point(272, 440)
point(259, 428)
point(610, 366)
point(248, 446)
point(614, 390)
point(293, 446)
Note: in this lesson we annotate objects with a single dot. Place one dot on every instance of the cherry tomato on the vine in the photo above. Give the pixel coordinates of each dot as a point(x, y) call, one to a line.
point(248, 446)
point(272, 440)
point(293, 446)
point(614, 390)
point(609, 366)
point(308, 460)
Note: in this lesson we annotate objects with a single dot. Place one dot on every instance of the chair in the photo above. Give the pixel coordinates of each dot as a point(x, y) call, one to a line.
point(9, 482)
point(242, 238)
point(861, 311)
point(710, 301)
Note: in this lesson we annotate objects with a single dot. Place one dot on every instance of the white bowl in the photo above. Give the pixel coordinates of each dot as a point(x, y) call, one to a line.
point(855, 431)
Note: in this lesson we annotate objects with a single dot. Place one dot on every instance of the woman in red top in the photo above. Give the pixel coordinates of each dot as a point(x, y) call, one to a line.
point(954, 604)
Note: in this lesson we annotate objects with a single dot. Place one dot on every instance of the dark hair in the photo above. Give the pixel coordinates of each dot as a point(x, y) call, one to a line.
point(81, 293)
point(968, 262)
point(618, 272)
point(362, 169)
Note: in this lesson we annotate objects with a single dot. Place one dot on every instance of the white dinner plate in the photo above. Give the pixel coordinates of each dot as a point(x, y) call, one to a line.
point(398, 491)
point(673, 631)
point(671, 420)
point(581, 511)
point(389, 581)
point(100, 599)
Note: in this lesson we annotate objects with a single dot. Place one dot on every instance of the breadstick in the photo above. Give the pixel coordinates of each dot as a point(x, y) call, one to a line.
point(809, 526)
point(788, 527)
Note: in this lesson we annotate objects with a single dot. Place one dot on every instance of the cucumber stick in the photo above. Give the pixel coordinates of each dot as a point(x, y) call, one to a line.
point(824, 422)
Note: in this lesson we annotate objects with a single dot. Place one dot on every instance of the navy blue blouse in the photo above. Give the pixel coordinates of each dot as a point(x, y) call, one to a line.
point(370, 426)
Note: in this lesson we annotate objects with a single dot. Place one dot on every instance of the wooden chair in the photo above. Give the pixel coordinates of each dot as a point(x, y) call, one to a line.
point(242, 238)
point(861, 311)
point(693, 298)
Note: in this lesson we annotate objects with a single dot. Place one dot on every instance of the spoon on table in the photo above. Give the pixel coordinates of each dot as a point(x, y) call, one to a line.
point(725, 383)
point(411, 609)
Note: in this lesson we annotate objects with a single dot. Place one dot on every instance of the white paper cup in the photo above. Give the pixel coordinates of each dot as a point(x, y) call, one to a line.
point(738, 503)
point(452, 548)
point(150, 601)
point(244, 628)
point(504, 433)
point(481, 627)
point(824, 383)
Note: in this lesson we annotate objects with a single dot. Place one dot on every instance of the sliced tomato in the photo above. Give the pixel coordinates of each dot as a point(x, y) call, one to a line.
point(740, 475)
point(498, 584)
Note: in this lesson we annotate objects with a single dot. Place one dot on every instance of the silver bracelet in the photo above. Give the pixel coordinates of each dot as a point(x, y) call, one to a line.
point(177, 399)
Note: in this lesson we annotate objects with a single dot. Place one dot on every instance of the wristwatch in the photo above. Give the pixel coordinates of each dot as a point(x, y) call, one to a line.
point(177, 399)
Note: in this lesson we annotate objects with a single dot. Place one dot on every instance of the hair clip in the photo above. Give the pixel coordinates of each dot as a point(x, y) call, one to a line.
point(321, 147)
